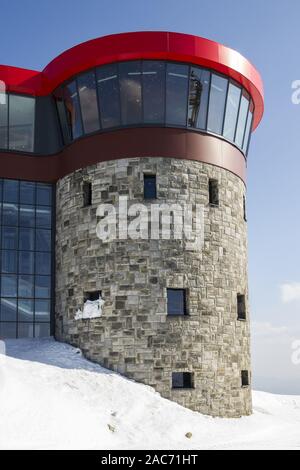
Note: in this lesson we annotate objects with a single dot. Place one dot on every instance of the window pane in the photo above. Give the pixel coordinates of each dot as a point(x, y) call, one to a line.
point(25, 286)
point(176, 94)
point(43, 217)
point(27, 216)
point(27, 192)
point(43, 263)
point(232, 109)
point(8, 309)
point(21, 123)
point(10, 191)
point(10, 214)
point(62, 114)
point(109, 98)
point(198, 97)
point(177, 380)
point(43, 287)
point(42, 310)
point(217, 99)
point(26, 239)
point(41, 330)
point(26, 262)
point(88, 102)
point(8, 330)
point(43, 194)
point(10, 238)
point(149, 186)
point(3, 119)
point(248, 128)
point(25, 330)
point(153, 91)
point(73, 109)
point(176, 301)
point(9, 261)
point(131, 92)
point(25, 310)
point(43, 240)
point(8, 286)
point(242, 119)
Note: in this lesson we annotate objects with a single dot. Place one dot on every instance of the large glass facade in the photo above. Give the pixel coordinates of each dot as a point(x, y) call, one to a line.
point(154, 92)
point(17, 115)
point(26, 259)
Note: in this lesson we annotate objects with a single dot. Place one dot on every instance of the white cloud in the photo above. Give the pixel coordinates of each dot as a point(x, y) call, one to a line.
point(290, 292)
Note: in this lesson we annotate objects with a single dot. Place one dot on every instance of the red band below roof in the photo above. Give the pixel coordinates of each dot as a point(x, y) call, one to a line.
point(138, 45)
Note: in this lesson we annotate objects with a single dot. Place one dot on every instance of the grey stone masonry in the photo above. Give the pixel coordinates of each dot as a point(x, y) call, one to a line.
point(134, 335)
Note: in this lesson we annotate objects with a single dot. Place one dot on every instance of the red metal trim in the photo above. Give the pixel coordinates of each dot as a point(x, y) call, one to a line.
point(138, 45)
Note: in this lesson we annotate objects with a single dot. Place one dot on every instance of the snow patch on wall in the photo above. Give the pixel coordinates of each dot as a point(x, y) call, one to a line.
point(91, 309)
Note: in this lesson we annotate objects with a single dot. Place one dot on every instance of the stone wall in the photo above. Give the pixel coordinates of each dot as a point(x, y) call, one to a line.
point(135, 336)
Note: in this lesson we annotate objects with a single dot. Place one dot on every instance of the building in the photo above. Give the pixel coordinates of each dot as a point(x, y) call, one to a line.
point(158, 117)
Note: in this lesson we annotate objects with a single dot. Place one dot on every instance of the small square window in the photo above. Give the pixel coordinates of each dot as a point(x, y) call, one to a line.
point(87, 193)
point(245, 378)
point(93, 295)
point(182, 380)
point(149, 186)
point(177, 302)
point(241, 307)
point(213, 192)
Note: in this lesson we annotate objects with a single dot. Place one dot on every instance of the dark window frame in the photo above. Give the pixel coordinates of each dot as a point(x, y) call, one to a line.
point(185, 313)
point(245, 378)
point(87, 193)
point(241, 307)
point(150, 177)
point(187, 380)
point(213, 192)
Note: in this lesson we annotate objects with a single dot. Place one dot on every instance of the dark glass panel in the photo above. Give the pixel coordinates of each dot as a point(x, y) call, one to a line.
point(154, 78)
point(25, 310)
point(182, 380)
point(43, 217)
point(27, 192)
point(21, 123)
point(41, 330)
point(26, 262)
point(130, 92)
point(25, 330)
point(3, 119)
point(43, 240)
point(108, 93)
point(43, 287)
point(26, 286)
point(43, 194)
point(8, 330)
point(10, 191)
point(232, 109)
point(26, 239)
point(8, 309)
point(62, 114)
point(42, 263)
point(217, 98)
point(176, 94)
point(88, 101)
point(9, 261)
point(73, 109)
point(176, 302)
point(10, 238)
point(10, 214)
point(198, 97)
point(248, 128)
point(8, 286)
point(42, 310)
point(243, 112)
point(149, 186)
point(27, 216)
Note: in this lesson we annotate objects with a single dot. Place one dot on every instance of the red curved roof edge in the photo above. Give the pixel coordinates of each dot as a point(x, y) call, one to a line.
point(138, 45)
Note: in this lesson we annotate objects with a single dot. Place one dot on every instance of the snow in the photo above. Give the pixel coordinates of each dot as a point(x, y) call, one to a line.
point(53, 398)
point(91, 309)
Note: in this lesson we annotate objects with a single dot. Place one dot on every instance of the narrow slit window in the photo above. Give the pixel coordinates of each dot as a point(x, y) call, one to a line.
point(244, 209)
point(149, 186)
point(213, 192)
point(241, 307)
point(245, 378)
point(181, 380)
point(177, 302)
point(87, 194)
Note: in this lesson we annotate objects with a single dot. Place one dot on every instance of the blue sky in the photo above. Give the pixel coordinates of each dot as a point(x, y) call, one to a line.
point(266, 32)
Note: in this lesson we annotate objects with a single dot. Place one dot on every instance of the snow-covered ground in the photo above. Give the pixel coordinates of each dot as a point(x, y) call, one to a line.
point(52, 398)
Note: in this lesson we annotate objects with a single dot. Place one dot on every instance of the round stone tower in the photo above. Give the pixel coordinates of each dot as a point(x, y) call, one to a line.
point(155, 122)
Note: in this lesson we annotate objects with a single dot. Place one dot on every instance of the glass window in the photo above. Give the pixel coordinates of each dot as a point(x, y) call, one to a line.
point(43, 287)
point(248, 128)
point(43, 194)
point(42, 263)
point(218, 89)
point(154, 77)
point(232, 109)
point(26, 286)
point(182, 380)
point(176, 301)
point(73, 109)
point(130, 92)
point(21, 123)
point(43, 217)
point(27, 192)
point(10, 214)
point(3, 119)
point(240, 130)
point(149, 186)
point(8, 286)
point(8, 309)
point(88, 101)
point(8, 330)
point(41, 330)
point(108, 94)
point(27, 216)
point(10, 191)
point(25, 310)
point(176, 94)
point(25, 330)
point(198, 97)
point(26, 262)
point(62, 114)
point(26, 239)
point(42, 310)
point(43, 240)
point(10, 238)
point(9, 261)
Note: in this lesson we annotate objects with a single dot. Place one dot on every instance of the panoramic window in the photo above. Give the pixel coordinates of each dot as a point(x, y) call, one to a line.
point(248, 128)
point(88, 102)
point(218, 90)
point(109, 96)
point(176, 94)
point(130, 77)
point(73, 109)
point(21, 123)
point(182, 380)
point(232, 109)
point(153, 91)
point(149, 187)
point(25, 299)
point(243, 112)
point(177, 304)
point(213, 190)
point(241, 307)
point(198, 97)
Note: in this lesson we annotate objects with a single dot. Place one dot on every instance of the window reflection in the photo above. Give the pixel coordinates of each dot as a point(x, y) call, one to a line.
point(153, 91)
point(248, 128)
point(3, 119)
point(109, 97)
point(130, 77)
point(73, 109)
point(176, 94)
point(232, 109)
point(88, 102)
point(239, 136)
point(218, 89)
point(198, 97)
point(21, 123)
